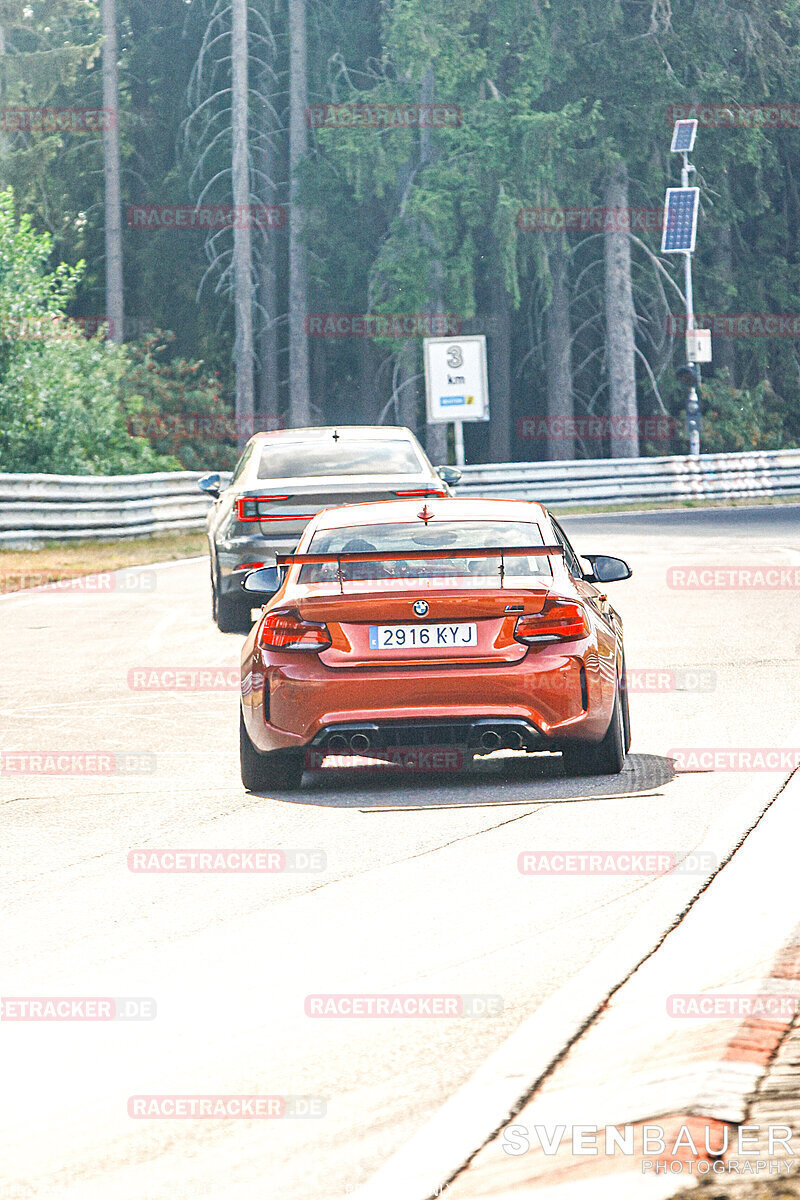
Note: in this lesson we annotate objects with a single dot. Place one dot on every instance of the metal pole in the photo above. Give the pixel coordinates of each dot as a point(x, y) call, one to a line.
point(692, 403)
point(458, 429)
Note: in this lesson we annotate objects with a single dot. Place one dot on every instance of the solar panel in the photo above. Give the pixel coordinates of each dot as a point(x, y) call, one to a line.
point(683, 137)
point(680, 221)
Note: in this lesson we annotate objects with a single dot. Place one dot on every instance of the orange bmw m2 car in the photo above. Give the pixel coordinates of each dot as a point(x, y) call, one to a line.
point(433, 622)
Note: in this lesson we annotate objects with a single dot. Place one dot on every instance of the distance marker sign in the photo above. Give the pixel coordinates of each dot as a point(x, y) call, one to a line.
point(456, 384)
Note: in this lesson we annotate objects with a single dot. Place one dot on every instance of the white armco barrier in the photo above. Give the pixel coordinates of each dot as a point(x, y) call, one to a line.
point(629, 480)
point(39, 508)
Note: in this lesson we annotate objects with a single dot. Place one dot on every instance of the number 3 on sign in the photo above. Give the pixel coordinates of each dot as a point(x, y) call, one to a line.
point(454, 356)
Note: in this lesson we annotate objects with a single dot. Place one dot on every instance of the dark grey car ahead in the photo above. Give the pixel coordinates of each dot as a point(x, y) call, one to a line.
point(284, 478)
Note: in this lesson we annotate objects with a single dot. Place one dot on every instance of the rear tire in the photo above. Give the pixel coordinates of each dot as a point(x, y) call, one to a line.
point(260, 772)
point(231, 614)
point(600, 758)
point(626, 712)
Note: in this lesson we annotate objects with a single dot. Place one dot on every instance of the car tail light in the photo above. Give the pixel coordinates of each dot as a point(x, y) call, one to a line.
point(247, 506)
point(423, 492)
point(249, 566)
point(287, 516)
point(288, 631)
point(559, 621)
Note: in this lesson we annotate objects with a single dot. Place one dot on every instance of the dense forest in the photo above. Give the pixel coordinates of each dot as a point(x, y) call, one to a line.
point(265, 205)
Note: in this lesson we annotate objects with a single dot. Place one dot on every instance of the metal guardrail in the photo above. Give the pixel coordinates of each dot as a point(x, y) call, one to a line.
point(39, 508)
point(625, 480)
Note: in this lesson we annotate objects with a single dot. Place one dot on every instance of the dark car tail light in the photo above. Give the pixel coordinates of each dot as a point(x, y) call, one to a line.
point(288, 631)
point(286, 516)
point(247, 506)
point(422, 492)
point(559, 621)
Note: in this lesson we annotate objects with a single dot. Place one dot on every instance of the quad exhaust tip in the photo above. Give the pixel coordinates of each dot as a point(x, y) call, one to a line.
point(483, 737)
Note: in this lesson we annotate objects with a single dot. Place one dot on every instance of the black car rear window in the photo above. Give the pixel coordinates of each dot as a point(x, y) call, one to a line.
point(448, 535)
point(298, 460)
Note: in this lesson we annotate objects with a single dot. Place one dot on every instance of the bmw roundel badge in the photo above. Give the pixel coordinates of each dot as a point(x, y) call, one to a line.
point(420, 607)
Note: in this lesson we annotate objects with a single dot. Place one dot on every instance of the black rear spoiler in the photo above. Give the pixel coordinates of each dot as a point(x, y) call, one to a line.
point(361, 556)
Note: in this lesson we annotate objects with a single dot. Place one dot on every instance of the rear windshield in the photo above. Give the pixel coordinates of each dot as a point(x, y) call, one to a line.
point(449, 535)
point(298, 460)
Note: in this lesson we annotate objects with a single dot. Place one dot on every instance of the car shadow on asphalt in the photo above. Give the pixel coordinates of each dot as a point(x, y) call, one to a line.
point(506, 778)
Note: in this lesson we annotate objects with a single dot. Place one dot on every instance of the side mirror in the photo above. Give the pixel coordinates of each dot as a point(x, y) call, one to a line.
point(606, 569)
point(449, 475)
point(264, 581)
point(211, 484)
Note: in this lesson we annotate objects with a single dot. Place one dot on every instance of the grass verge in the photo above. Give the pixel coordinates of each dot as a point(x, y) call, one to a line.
point(67, 560)
point(575, 509)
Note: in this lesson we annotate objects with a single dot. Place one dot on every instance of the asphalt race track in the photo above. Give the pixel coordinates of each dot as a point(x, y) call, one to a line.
point(419, 891)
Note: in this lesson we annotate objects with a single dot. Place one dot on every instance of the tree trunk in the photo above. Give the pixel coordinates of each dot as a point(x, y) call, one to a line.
point(620, 326)
point(435, 431)
point(242, 248)
point(299, 399)
point(367, 405)
point(499, 364)
point(436, 442)
point(558, 351)
point(267, 335)
point(3, 138)
point(724, 349)
point(318, 370)
point(268, 379)
point(406, 388)
point(115, 304)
